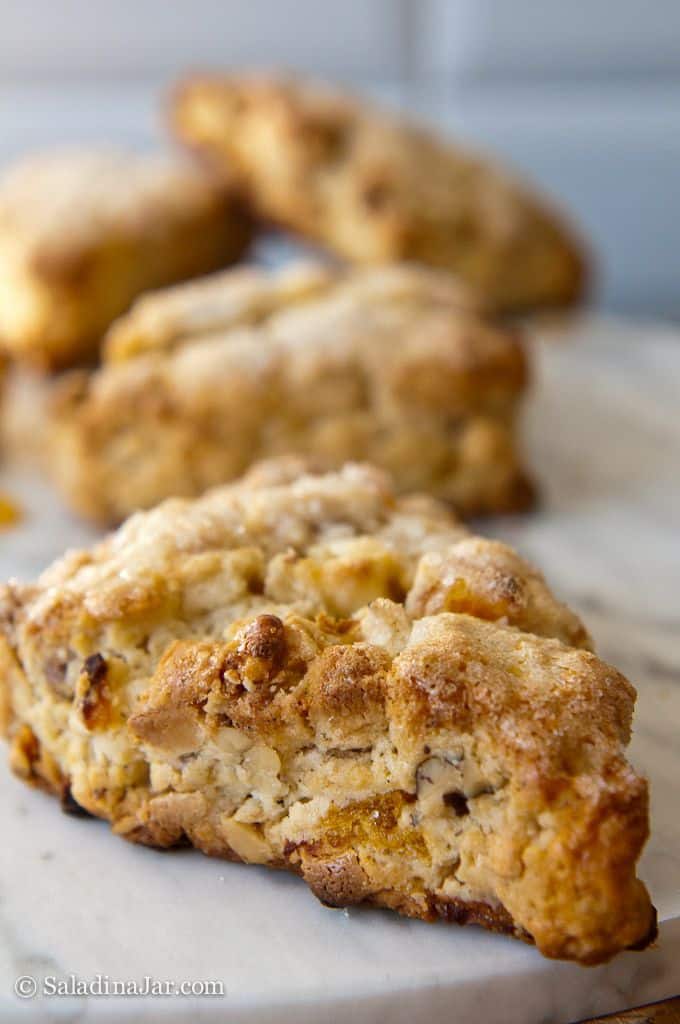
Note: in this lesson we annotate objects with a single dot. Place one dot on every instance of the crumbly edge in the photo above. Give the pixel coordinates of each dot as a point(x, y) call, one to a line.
point(107, 470)
point(435, 765)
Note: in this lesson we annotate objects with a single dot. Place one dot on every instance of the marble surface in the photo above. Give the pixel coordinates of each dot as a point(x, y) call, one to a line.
point(603, 432)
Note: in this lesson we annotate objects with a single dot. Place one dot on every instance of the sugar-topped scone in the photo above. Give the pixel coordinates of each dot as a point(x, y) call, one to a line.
point(374, 188)
point(83, 232)
point(305, 671)
point(392, 364)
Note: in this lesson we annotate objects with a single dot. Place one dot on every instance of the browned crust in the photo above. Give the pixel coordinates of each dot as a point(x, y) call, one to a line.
point(340, 882)
point(383, 205)
point(337, 881)
point(456, 766)
point(88, 231)
point(380, 363)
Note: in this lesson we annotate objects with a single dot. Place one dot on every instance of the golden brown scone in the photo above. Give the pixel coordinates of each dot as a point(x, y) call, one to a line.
point(390, 364)
point(261, 673)
point(374, 188)
point(83, 232)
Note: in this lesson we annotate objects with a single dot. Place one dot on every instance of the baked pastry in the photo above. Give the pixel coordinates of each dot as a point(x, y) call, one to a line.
point(375, 188)
point(304, 671)
point(26, 416)
point(391, 364)
point(82, 232)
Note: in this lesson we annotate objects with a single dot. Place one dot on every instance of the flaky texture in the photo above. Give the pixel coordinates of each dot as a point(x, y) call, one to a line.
point(83, 232)
point(304, 671)
point(374, 188)
point(391, 364)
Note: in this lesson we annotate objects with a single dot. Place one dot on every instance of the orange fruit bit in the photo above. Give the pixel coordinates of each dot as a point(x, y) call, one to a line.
point(10, 512)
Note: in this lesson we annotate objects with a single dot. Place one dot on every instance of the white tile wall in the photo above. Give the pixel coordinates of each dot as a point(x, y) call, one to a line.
point(65, 38)
point(548, 38)
point(365, 39)
point(583, 97)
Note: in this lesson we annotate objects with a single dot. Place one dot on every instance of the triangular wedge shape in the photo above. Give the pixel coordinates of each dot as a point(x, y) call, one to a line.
point(302, 670)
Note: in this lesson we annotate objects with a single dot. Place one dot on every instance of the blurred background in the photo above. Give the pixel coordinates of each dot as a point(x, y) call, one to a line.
point(582, 97)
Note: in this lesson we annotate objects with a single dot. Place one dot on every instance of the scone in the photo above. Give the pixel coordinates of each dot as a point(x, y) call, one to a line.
point(82, 232)
point(389, 364)
point(26, 416)
point(307, 672)
point(375, 188)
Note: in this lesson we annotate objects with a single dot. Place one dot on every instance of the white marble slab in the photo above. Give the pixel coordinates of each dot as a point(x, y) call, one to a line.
point(603, 429)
